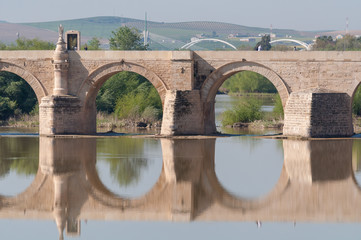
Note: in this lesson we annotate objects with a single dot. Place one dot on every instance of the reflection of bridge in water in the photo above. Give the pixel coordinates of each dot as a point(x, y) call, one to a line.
point(316, 184)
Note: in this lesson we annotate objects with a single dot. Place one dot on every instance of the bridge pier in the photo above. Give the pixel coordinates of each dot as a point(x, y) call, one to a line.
point(183, 113)
point(60, 115)
point(318, 113)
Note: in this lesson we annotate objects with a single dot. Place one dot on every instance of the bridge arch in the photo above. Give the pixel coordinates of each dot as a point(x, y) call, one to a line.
point(303, 44)
point(216, 79)
point(90, 86)
point(188, 45)
point(34, 83)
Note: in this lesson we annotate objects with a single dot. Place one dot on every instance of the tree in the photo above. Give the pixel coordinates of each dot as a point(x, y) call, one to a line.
point(324, 43)
point(265, 43)
point(31, 44)
point(125, 38)
point(93, 44)
point(248, 82)
point(17, 96)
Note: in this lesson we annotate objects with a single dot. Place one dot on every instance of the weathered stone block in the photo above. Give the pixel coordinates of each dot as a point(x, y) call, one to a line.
point(318, 113)
point(60, 115)
point(182, 113)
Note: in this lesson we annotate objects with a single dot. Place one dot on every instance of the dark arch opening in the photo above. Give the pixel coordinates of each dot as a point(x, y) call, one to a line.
point(247, 101)
point(18, 101)
point(356, 109)
point(128, 100)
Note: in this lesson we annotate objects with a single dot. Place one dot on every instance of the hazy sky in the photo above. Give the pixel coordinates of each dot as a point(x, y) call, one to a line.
point(299, 15)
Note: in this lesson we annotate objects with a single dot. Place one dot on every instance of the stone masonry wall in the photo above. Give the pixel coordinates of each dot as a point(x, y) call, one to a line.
point(318, 113)
point(60, 115)
point(182, 113)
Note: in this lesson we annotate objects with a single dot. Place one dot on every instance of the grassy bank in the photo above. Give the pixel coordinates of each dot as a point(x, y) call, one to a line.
point(109, 122)
point(23, 121)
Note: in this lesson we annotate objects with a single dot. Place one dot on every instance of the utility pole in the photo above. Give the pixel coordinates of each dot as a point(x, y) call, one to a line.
point(346, 25)
point(146, 34)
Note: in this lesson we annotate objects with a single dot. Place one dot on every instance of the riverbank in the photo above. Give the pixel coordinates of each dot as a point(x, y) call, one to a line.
point(23, 121)
point(259, 124)
point(105, 122)
point(109, 123)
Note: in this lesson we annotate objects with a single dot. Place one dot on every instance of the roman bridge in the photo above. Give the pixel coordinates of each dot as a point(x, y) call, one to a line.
point(316, 88)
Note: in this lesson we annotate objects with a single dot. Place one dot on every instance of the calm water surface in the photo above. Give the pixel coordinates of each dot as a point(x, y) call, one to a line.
point(148, 188)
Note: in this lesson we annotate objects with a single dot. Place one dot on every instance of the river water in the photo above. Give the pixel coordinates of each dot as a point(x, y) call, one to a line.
point(132, 187)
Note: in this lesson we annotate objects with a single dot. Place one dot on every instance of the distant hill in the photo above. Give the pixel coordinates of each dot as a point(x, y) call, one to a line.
point(167, 35)
point(335, 33)
point(9, 31)
point(163, 36)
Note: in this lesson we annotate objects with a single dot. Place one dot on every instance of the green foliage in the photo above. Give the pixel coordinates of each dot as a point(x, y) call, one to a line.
point(246, 111)
point(278, 108)
point(16, 96)
point(115, 87)
point(142, 101)
point(3, 46)
point(125, 38)
point(356, 104)
point(248, 82)
point(130, 96)
point(30, 44)
point(265, 43)
point(347, 43)
point(93, 44)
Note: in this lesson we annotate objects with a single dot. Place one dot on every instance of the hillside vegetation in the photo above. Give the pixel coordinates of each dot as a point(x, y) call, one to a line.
point(164, 36)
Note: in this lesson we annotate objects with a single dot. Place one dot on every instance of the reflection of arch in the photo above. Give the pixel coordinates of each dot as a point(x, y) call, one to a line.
point(27, 194)
point(104, 196)
point(90, 86)
point(34, 83)
point(227, 199)
point(188, 45)
point(215, 80)
point(303, 44)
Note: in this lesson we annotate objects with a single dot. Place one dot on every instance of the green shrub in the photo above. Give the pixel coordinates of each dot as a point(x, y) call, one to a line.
point(356, 104)
point(278, 108)
point(246, 111)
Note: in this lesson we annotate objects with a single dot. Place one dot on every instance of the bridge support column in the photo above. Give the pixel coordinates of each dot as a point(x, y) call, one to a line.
point(183, 113)
point(318, 113)
point(60, 115)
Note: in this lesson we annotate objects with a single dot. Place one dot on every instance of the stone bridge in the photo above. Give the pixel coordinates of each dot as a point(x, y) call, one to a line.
point(316, 88)
point(316, 183)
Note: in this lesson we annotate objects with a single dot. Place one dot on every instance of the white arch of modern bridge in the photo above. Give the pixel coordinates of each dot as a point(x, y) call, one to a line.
point(307, 46)
point(188, 45)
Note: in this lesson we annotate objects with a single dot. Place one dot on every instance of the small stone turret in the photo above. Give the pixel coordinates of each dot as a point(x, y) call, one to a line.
point(61, 65)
